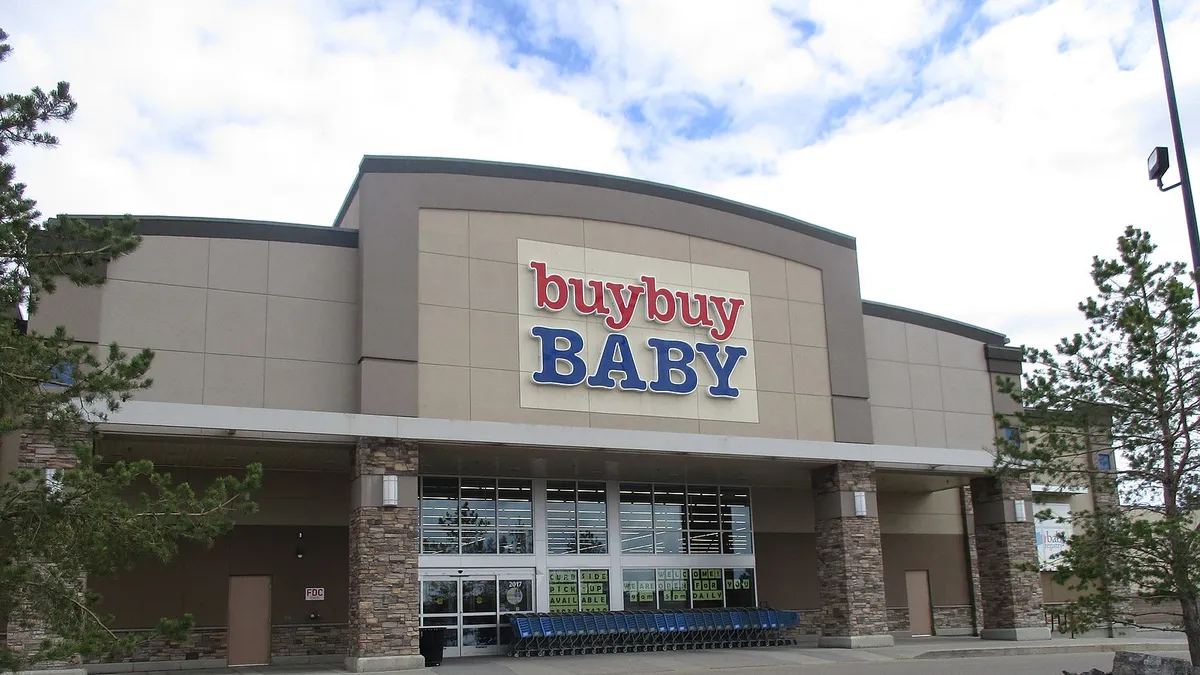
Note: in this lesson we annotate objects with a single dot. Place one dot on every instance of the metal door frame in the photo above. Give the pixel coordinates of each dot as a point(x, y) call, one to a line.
point(495, 575)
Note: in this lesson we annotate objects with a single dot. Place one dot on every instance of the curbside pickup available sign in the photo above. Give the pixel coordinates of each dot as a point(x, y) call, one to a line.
point(676, 363)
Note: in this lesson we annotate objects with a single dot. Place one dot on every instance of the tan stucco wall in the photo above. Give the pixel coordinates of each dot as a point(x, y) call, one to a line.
point(920, 513)
point(929, 388)
point(470, 337)
point(780, 509)
point(233, 322)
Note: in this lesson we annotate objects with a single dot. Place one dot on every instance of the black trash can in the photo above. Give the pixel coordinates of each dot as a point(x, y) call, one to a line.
point(433, 643)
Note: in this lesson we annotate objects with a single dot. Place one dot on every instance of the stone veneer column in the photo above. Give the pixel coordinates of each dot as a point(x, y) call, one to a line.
point(25, 633)
point(968, 514)
point(849, 558)
point(385, 595)
point(1010, 585)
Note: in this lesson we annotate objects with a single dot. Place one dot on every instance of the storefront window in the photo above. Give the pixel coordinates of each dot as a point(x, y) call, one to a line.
point(672, 588)
point(637, 519)
point(576, 517)
point(575, 590)
point(515, 516)
point(476, 516)
point(564, 590)
point(698, 588)
point(593, 590)
point(439, 597)
point(704, 520)
point(516, 595)
point(735, 521)
point(739, 587)
point(673, 519)
point(639, 589)
point(439, 515)
point(669, 504)
point(707, 588)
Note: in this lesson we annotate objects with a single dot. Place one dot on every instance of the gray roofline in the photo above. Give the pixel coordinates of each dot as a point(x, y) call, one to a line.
point(885, 311)
point(232, 228)
point(471, 167)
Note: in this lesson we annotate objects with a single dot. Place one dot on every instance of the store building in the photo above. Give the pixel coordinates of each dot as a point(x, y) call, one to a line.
point(492, 388)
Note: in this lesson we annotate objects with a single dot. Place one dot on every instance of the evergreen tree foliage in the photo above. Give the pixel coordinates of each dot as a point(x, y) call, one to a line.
point(95, 518)
point(1115, 409)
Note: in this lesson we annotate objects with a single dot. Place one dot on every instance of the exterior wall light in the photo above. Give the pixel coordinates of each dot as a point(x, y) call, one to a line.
point(391, 490)
point(1019, 510)
point(52, 484)
point(1157, 164)
point(860, 503)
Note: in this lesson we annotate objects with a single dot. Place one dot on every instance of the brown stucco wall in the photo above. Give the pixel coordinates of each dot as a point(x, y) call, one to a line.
point(786, 565)
point(197, 580)
point(943, 555)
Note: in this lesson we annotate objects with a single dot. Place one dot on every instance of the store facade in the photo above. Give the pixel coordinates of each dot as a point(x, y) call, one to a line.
point(496, 388)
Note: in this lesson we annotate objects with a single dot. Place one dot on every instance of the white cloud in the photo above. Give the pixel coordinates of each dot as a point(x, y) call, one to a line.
point(979, 177)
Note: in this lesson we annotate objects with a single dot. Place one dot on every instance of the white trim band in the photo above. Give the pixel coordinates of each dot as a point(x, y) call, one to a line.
point(151, 417)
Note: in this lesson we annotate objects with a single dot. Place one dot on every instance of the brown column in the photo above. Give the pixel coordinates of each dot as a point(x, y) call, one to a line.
point(384, 591)
point(1010, 584)
point(849, 557)
point(37, 451)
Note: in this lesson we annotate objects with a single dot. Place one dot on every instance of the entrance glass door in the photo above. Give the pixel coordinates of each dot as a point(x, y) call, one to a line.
point(474, 609)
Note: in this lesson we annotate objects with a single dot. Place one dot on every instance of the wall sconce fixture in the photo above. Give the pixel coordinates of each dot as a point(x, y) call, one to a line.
point(1019, 510)
point(53, 484)
point(860, 503)
point(299, 547)
point(391, 490)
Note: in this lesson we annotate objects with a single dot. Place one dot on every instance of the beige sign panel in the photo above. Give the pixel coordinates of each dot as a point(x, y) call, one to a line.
point(715, 299)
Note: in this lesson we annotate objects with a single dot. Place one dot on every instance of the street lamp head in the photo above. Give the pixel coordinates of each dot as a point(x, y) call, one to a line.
point(1158, 163)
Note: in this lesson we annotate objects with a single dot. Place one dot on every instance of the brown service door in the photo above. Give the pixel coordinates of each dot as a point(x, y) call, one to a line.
point(920, 609)
point(249, 621)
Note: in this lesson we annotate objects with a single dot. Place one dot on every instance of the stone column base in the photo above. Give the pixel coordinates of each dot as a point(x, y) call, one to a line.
point(855, 641)
point(376, 664)
point(1017, 634)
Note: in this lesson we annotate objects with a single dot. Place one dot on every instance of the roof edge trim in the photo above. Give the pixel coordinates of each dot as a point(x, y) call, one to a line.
point(531, 172)
point(232, 228)
point(885, 311)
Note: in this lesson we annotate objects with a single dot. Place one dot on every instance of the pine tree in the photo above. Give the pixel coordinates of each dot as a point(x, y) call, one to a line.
point(96, 518)
point(1115, 409)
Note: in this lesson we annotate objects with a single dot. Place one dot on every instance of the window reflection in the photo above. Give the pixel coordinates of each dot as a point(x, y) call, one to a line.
point(576, 517)
point(476, 516)
point(674, 519)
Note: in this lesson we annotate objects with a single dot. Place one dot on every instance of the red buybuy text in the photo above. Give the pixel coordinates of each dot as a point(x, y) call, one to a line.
point(619, 302)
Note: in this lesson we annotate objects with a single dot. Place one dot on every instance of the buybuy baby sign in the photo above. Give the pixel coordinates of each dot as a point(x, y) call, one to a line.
point(617, 304)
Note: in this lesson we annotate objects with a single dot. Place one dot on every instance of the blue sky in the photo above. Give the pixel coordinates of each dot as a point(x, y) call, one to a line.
point(977, 149)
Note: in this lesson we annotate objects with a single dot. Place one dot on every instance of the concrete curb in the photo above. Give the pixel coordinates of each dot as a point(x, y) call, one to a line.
point(1153, 647)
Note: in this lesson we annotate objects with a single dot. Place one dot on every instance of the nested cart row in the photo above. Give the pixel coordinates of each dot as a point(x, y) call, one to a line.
point(641, 631)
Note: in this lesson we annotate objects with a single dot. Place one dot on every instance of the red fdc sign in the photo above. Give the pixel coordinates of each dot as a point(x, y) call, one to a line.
point(314, 594)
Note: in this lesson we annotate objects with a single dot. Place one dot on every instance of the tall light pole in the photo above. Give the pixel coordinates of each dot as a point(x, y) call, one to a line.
point(1189, 206)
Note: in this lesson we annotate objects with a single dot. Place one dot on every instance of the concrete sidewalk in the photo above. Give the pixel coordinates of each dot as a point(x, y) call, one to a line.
point(769, 657)
point(728, 659)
